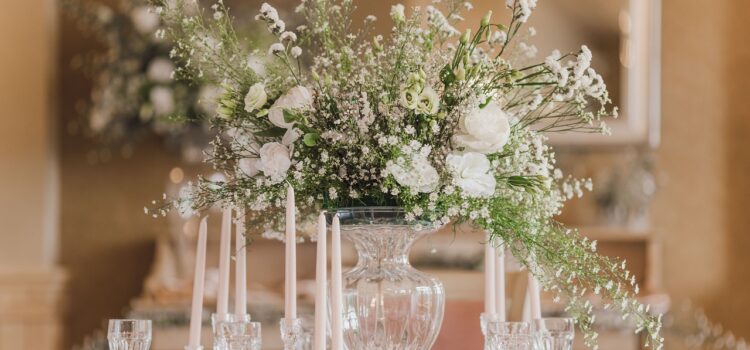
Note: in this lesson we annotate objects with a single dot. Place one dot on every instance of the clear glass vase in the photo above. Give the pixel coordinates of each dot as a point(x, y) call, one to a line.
point(388, 305)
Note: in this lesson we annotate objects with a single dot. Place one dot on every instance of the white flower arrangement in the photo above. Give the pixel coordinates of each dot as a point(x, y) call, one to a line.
point(449, 126)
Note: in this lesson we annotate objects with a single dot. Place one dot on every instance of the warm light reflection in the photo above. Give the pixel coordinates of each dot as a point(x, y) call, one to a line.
point(176, 175)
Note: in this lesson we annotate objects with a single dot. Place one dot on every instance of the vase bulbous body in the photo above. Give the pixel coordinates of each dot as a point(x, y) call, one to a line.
point(388, 304)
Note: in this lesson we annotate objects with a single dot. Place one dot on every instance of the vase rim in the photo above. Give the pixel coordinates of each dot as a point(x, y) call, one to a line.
point(370, 215)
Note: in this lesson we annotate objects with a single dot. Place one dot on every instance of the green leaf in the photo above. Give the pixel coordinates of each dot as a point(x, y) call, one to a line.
point(447, 76)
point(271, 132)
point(263, 112)
point(311, 139)
point(486, 102)
point(289, 116)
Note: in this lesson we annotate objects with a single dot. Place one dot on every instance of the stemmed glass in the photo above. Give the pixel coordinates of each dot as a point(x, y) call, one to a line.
point(554, 333)
point(129, 334)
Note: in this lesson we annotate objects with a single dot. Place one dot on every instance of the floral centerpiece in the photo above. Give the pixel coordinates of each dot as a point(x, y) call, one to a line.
point(449, 126)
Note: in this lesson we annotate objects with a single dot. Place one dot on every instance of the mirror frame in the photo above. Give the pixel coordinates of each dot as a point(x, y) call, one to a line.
point(639, 123)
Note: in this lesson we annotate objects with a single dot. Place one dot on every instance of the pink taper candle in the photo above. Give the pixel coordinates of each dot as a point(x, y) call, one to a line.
point(337, 323)
point(225, 243)
point(535, 304)
point(500, 283)
point(489, 279)
point(240, 283)
point(196, 314)
point(290, 300)
point(321, 295)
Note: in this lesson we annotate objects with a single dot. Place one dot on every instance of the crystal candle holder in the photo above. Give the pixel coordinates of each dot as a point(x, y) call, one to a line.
point(554, 333)
point(129, 334)
point(239, 333)
point(216, 320)
point(508, 336)
point(485, 318)
point(291, 333)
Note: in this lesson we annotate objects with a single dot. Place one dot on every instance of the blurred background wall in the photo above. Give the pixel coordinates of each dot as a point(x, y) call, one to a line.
point(106, 244)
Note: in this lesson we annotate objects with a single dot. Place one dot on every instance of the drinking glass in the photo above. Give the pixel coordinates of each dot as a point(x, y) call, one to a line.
point(239, 335)
point(554, 333)
point(508, 336)
point(129, 334)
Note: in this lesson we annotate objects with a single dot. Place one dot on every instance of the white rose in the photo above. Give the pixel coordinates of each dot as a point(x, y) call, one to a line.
point(416, 173)
point(144, 20)
point(274, 161)
point(162, 99)
point(256, 97)
point(298, 97)
point(249, 166)
point(471, 172)
point(160, 70)
point(484, 130)
point(429, 101)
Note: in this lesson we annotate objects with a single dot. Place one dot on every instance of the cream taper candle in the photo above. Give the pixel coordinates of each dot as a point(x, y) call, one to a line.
point(321, 282)
point(534, 298)
point(337, 323)
point(225, 243)
point(490, 308)
point(290, 277)
point(196, 314)
point(240, 282)
point(500, 283)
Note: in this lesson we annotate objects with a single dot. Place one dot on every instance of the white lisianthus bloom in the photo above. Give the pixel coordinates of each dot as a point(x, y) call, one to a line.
point(429, 101)
point(298, 97)
point(162, 100)
point(256, 97)
point(291, 135)
point(249, 166)
point(485, 130)
point(397, 13)
point(472, 173)
point(160, 70)
point(144, 20)
point(274, 161)
point(410, 98)
point(416, 173)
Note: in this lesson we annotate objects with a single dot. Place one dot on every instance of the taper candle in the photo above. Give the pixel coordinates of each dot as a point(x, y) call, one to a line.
point(534, 298)
point(240, 282)
point(490, 308)
point(290, 277)
point(222, 299)
point(500, 283)
point(337, 323)
point(196, 314)
point(321, 281)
